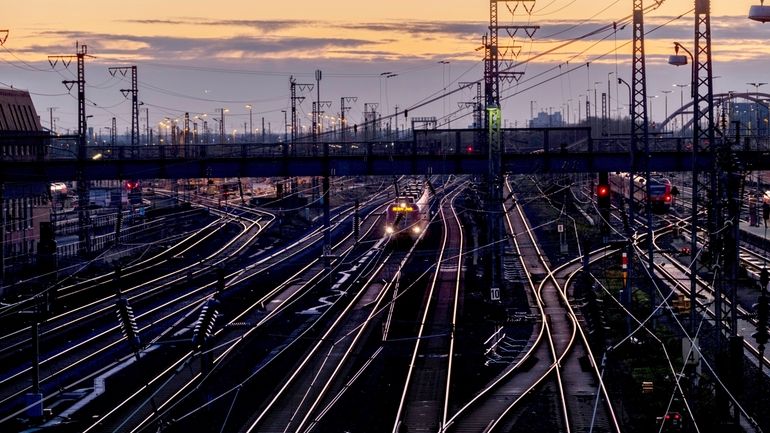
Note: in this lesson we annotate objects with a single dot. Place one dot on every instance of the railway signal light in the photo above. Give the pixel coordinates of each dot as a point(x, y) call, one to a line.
point(128, 323)
point(603, 192)
point(204, 327)
point(603, 200)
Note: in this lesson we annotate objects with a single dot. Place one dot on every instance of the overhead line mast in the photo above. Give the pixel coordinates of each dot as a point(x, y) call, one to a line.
point(494, 55)
point(134, 91)
point(84, 218)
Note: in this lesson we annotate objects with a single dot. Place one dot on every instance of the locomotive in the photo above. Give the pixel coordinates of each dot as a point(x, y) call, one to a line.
point(662, 193)
point(408, 214)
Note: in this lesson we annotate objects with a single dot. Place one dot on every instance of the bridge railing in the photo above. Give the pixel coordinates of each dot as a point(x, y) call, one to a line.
point(460, 142)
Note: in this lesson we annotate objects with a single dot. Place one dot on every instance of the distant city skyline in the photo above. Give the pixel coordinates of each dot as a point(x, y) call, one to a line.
point(198, 58)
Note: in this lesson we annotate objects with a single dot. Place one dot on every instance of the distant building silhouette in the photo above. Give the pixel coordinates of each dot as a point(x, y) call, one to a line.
point(545, 120)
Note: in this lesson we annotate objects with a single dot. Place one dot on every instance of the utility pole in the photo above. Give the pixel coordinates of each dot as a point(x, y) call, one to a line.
point(294, 88)
point(395, 121)
point(187, 149)
point(113, 133)
point(492, 77)
point(134, 91)
point(222, 126)
point(285, 128)
point(327, 246)
point(370, 120)
point(344, 109)
point(84, 218)
point(147, 125)
point(50, 116)
point(639, 138)
point(605, 130)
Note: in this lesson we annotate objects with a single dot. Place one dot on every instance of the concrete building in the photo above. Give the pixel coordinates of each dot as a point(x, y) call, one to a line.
point(22, 206)
point(545, 120)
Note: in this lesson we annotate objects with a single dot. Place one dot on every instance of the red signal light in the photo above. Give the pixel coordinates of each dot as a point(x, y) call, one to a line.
point(667, 198)
point(603, 191)
point(470, 149)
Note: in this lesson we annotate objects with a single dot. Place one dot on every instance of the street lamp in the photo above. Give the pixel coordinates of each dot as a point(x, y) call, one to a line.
point(386, 107)
point(760, 12)
point(681, 60)
point(444, 64)
point(630, 96)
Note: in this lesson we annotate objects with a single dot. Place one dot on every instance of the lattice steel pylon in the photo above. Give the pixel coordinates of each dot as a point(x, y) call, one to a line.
point(719, 185)
point(84, 217)
point(703, 178)
point(492, 78)
point(294, 86)
point(639, 138)
point(134, 91)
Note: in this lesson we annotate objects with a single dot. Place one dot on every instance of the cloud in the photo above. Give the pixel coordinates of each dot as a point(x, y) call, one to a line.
point(463, 28)
point(409, 27)
point(386, 39)
point(263, 25)
point(189, 47)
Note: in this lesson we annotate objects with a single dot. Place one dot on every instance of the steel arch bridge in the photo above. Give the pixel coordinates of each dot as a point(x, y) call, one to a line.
point(720, 98)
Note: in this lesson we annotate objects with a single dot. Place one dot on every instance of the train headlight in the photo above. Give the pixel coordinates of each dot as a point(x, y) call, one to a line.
point(416, 229)
point(389, 230)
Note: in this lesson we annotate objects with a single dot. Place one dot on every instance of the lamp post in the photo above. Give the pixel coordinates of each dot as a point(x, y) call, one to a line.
point(391, 75)
point(222, 137)
point(444, 64)
point(251, 123)
point(756, 106)
point(609, 95)
point(666, 92)
point(651, 98)
point(630, 94)
point(681, 106)
point(596, 100)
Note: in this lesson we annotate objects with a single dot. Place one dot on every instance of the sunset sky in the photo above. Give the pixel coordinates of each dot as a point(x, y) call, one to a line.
point(198, 56)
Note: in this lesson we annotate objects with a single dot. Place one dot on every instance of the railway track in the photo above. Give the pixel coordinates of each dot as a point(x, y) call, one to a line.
point(550, 360)
point(425, 397)
point(89, 339)
point(170, 388)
